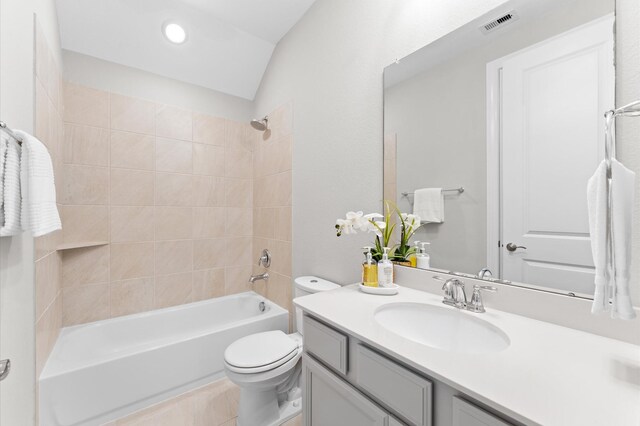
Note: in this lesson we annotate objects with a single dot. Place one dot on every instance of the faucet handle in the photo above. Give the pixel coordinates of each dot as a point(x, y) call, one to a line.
point(265, 259)
point(476, 304)
point(489, 288)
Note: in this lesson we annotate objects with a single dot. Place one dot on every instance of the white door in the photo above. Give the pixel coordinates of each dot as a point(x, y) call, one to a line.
point(554, 95)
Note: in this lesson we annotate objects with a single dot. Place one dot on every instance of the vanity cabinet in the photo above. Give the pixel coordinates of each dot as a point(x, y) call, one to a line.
point(466, 414)
point(348, 383)
point(331, 401)
point(403, 391)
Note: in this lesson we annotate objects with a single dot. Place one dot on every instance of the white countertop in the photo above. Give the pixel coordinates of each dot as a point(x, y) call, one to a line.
point(549, 375)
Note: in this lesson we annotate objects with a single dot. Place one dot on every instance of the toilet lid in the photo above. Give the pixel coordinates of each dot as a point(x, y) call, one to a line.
point(268, 349)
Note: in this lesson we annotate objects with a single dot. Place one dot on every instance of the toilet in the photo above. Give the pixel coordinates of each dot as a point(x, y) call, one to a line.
point(266, 367)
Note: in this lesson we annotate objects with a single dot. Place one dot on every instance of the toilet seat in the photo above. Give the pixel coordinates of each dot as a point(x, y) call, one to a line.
point(261, 352)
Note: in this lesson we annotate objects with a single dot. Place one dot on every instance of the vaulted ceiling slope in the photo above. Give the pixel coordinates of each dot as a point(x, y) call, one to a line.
point(228, 47)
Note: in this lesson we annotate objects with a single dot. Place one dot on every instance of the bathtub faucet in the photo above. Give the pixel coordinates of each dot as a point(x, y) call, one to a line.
point(258, 277)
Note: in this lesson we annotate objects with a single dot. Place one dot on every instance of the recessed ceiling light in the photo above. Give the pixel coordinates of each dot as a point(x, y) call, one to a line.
point(174, 33)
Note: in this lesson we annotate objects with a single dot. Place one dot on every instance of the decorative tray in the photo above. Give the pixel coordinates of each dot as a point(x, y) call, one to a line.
point(385, 291)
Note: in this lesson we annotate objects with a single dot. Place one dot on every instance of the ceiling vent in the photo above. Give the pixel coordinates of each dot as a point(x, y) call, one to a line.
point(505, 19)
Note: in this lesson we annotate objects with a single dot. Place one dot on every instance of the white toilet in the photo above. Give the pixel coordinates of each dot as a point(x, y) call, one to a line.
point(266, 367)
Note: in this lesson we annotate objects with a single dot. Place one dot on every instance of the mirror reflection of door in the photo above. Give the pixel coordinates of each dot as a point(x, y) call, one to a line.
point(552, 99)
point(514, 113)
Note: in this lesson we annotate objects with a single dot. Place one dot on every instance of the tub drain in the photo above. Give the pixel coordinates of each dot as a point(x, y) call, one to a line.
point(262, 306)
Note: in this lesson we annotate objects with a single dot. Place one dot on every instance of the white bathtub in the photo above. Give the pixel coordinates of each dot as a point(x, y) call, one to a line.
point(104, 370)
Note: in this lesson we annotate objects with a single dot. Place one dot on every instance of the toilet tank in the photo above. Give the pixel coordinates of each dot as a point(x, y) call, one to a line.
point(309, 285)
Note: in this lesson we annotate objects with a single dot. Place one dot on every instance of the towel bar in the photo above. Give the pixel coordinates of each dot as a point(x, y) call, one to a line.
point(8, 131)
point(458, 190)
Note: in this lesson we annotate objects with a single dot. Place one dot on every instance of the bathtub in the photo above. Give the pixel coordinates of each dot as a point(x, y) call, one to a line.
point(104, 370)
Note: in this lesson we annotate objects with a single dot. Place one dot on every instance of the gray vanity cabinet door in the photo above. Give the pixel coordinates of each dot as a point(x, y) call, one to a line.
point(398, 389)
point(467, 414)
point(326, 344)
point(330, 401)
point(395, 422)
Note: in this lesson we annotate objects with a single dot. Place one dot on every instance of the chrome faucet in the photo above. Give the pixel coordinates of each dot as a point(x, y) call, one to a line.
point(485, 273)
point(263, 260)
point(456, 296)
point(454, 293)
point(254, 278)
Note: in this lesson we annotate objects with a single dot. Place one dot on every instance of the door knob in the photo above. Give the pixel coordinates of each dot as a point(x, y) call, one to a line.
point(513, 247)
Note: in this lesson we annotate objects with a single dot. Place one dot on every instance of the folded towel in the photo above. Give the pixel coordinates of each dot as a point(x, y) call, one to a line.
point(598, 200)
point(4, 140)
point(610, 220)
point(39, 210)
point(622, 199)
point(11, 194)
point(428, 203)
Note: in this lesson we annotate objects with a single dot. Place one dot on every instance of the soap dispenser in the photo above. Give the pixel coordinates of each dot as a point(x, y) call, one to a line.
point(385, 270)
point(423, 260)
point(369, 269)
point(413, 259)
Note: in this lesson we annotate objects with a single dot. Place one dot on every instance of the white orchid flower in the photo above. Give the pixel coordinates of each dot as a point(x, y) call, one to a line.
point(344, 227)
point(354, 216)
point(377, 228)
point(362, 224)
point(374, 216)
point(411, 221)
point(357, 221)
point(366, 224)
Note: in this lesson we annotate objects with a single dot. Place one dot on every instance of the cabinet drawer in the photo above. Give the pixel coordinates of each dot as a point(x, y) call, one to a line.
point(467, 414)
point(326, 344)
point(402, 391)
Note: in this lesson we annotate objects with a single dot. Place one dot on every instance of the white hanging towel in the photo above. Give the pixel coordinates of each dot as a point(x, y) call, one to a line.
point(598, 200)
point(428, 203)
point(39, 210)
point(4, 141)
point(610, 221)
point(11, 195)
point(622, 200)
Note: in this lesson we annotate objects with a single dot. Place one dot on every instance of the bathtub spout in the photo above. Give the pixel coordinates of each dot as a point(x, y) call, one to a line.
point(258, 277)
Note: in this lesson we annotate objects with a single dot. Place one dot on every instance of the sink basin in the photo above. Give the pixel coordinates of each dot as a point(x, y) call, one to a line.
point(442, 327)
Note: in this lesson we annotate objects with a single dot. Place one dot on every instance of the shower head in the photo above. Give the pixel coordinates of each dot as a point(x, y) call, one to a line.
point(261, 125)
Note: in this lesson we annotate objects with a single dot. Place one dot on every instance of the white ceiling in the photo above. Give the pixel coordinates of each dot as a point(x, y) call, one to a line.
point(229, 42)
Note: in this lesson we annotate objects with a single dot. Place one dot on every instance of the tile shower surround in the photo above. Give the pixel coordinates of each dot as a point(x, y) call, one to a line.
point(173, 193)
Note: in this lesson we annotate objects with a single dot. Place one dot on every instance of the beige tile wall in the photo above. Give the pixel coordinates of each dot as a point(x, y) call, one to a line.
point(48, 282)
point(171, 192)
point(272, 164)
point(184, 202)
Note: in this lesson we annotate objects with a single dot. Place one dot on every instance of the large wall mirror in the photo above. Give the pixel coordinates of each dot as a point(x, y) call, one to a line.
point(505, 115)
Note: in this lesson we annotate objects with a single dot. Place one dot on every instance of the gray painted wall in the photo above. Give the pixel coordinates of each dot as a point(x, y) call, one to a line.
point(330, 65)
